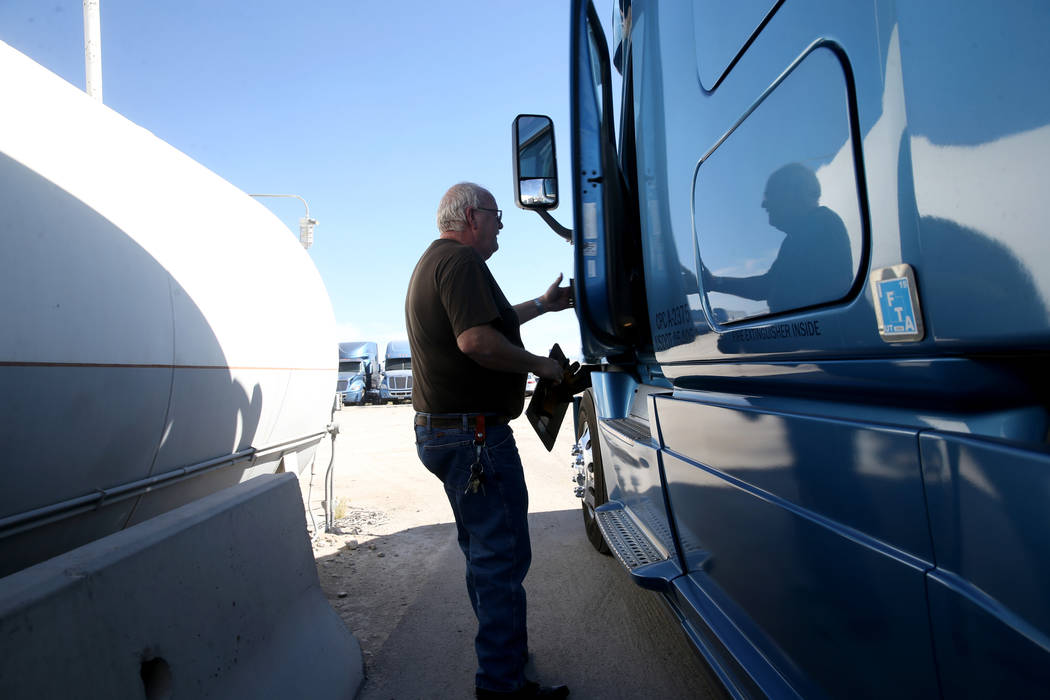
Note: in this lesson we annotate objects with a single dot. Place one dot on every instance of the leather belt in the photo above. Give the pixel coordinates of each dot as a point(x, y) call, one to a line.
point(462, 421)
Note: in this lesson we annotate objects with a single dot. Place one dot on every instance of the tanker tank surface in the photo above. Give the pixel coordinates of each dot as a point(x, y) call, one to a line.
point(164, 336)
point(156, 318)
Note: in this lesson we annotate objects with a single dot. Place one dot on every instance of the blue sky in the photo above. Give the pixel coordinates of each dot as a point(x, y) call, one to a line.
point(368, 113)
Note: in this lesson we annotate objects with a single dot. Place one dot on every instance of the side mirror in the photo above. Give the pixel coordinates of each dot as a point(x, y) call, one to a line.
point(535, 165)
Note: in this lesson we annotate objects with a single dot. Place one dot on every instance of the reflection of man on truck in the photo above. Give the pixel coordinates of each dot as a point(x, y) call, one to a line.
point(814, 262)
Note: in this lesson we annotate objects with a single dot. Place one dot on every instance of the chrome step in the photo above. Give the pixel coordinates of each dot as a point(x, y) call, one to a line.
point(648, 564)
point(631, 428)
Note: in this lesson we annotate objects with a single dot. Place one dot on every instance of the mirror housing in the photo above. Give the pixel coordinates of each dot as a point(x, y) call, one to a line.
point(535, 163)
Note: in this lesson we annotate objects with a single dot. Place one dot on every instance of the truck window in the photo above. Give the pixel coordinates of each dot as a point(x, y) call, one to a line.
point(596, 69)
point(395, 364)
point(776, 208)
point(350, 366)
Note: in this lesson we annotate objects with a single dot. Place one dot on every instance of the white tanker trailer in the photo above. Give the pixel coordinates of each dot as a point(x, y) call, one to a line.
point(162, 337)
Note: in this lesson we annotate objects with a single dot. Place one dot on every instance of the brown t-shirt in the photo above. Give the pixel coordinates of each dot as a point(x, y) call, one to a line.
point(452, 290)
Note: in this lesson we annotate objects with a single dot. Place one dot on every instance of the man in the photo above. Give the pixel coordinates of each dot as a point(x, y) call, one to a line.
point(468, 361)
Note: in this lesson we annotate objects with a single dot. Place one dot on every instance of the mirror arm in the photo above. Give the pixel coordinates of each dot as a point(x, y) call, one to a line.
point(565, 233)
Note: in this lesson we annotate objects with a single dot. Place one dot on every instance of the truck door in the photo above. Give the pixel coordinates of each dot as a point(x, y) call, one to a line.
point(610, 285)
point(612, 307)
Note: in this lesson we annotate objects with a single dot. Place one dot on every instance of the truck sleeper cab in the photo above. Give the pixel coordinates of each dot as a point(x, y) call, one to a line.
point(812, 288)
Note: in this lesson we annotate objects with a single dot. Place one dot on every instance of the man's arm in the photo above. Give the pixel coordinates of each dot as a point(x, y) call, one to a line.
point(554, 299)
point(491, 349)
point(754, 287)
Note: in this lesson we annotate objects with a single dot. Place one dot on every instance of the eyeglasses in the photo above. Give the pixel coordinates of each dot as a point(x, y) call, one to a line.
point(497, 212)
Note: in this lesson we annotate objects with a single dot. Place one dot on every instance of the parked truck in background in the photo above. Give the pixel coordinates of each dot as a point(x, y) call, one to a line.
point(360, 375)
point(397, 371)
point(812, 284)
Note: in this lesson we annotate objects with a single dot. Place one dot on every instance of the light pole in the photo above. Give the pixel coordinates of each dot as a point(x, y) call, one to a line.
point(306, 224)
point(92, 49)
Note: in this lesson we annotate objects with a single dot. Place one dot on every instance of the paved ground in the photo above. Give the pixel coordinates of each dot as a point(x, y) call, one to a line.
point(395, 575)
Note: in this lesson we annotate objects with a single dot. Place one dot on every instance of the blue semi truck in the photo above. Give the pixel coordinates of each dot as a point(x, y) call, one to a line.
point(397, 372)
point(812, 282)
point(360, 376)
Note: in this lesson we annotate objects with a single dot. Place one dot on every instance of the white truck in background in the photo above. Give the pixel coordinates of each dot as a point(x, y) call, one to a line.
point(397, 371)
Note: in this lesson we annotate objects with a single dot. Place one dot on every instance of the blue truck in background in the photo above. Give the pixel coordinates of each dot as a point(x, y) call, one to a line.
point(812, 282)
point(397, 371)
point(360, 375)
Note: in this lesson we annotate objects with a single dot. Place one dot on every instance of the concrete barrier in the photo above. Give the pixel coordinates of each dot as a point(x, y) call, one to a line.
point(216, 599)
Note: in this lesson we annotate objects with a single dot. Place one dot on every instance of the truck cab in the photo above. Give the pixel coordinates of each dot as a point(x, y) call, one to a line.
point(359, 373)
point(813, 293)
point(397, 371)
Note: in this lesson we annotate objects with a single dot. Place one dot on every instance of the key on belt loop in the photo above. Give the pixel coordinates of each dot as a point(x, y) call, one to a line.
point(479, 429)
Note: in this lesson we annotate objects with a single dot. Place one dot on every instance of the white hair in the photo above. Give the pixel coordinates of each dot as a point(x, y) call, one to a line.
point(452, 211)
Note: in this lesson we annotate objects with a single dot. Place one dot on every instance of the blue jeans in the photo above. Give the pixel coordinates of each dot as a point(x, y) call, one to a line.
point(494, 536)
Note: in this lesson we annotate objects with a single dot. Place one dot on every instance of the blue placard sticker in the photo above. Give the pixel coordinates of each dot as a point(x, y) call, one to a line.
point(897, 305)
point(898, 315)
